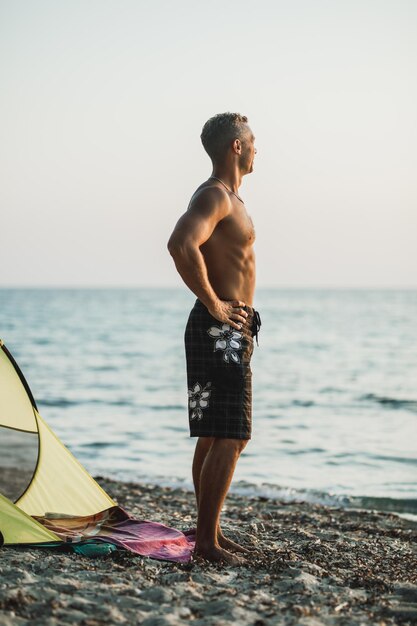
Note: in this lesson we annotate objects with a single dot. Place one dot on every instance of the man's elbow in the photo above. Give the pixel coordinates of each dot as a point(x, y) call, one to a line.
point(173, 246)
point(178, 247)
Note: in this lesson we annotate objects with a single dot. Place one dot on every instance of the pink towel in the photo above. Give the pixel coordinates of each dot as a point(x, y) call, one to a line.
point(115, 525)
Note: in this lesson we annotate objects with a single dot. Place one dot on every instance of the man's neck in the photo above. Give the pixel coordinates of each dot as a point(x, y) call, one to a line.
point(231, 177)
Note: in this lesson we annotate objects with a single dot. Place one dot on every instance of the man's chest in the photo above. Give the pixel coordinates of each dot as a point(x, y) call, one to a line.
point(238, 228)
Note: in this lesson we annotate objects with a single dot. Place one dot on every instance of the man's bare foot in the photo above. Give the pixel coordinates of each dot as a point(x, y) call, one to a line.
point(228, 544)
point(216, 554)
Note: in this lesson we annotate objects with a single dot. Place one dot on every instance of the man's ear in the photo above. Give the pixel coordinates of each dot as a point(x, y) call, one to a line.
point(237, 146)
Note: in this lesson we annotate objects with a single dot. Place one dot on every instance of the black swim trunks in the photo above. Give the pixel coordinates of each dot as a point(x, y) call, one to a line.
point(219, 375)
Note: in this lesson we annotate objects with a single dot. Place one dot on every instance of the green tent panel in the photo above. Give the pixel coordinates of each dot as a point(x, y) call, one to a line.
point(18, 527)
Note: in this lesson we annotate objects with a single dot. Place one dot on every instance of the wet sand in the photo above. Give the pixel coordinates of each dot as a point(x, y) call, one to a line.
point(312, 564)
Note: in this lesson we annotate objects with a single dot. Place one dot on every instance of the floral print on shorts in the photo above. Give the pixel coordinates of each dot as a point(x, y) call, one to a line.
point(198, 400)
point(228, 340)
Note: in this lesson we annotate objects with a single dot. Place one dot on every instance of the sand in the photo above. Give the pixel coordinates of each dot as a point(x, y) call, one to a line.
point(311, 565)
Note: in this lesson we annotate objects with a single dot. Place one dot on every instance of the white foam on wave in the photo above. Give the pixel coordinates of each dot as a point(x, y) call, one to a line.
point(289, 494)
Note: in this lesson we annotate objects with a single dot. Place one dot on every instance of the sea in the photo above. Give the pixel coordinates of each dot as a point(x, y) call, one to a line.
point(334, 388)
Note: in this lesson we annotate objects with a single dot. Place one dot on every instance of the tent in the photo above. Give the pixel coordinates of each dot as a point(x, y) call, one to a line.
point(42, 484)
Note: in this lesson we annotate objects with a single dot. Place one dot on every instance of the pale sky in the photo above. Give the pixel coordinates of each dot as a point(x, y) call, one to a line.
point(101, 108)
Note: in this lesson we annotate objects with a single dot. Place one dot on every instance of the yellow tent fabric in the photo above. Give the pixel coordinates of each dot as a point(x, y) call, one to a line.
point(15, 406)
point(59, 483)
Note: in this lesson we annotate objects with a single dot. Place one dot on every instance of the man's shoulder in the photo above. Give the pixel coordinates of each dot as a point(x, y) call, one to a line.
point(209, 195)
point(212, 189)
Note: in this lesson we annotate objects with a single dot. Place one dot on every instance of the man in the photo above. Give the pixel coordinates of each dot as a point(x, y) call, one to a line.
point(212, 247)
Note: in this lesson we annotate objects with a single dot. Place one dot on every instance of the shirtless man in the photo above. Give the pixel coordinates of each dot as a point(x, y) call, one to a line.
point(211, 245)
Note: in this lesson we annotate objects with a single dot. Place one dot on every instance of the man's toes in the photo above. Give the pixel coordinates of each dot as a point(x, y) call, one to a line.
point(219, 555)
point(228, 544)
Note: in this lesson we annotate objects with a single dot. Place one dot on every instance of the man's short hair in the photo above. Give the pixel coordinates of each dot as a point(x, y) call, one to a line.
point(220, 130)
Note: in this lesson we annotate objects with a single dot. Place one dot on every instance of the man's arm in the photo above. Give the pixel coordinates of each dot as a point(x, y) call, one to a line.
point(195, 226)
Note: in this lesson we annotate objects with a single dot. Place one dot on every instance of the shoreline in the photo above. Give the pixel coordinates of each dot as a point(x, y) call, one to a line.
point(312, 564)
point(312, 496)
point(279, 493)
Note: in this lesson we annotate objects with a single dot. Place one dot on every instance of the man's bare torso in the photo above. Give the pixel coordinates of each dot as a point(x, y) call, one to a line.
point(229, 254)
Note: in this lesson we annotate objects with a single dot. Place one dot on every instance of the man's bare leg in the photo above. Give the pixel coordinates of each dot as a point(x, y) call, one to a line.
point(201, 450)
point(215, 478)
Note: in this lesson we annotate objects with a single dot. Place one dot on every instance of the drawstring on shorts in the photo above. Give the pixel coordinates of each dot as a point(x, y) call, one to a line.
point(256, 325)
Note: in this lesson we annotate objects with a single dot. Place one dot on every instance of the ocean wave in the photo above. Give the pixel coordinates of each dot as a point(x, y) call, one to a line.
point(289, 494)
point(406, 507)
point(394, 403)
point(65, 402)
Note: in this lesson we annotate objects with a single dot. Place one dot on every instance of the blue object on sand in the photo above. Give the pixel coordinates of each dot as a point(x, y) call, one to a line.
point(92, 549)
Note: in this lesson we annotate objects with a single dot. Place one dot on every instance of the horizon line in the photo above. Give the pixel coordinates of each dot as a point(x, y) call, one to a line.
point(260, 287)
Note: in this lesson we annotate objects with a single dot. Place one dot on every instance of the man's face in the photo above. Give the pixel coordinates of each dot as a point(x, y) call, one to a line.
point(248, 152)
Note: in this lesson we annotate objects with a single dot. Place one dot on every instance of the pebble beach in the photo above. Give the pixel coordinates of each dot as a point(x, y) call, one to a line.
point(310, 564)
